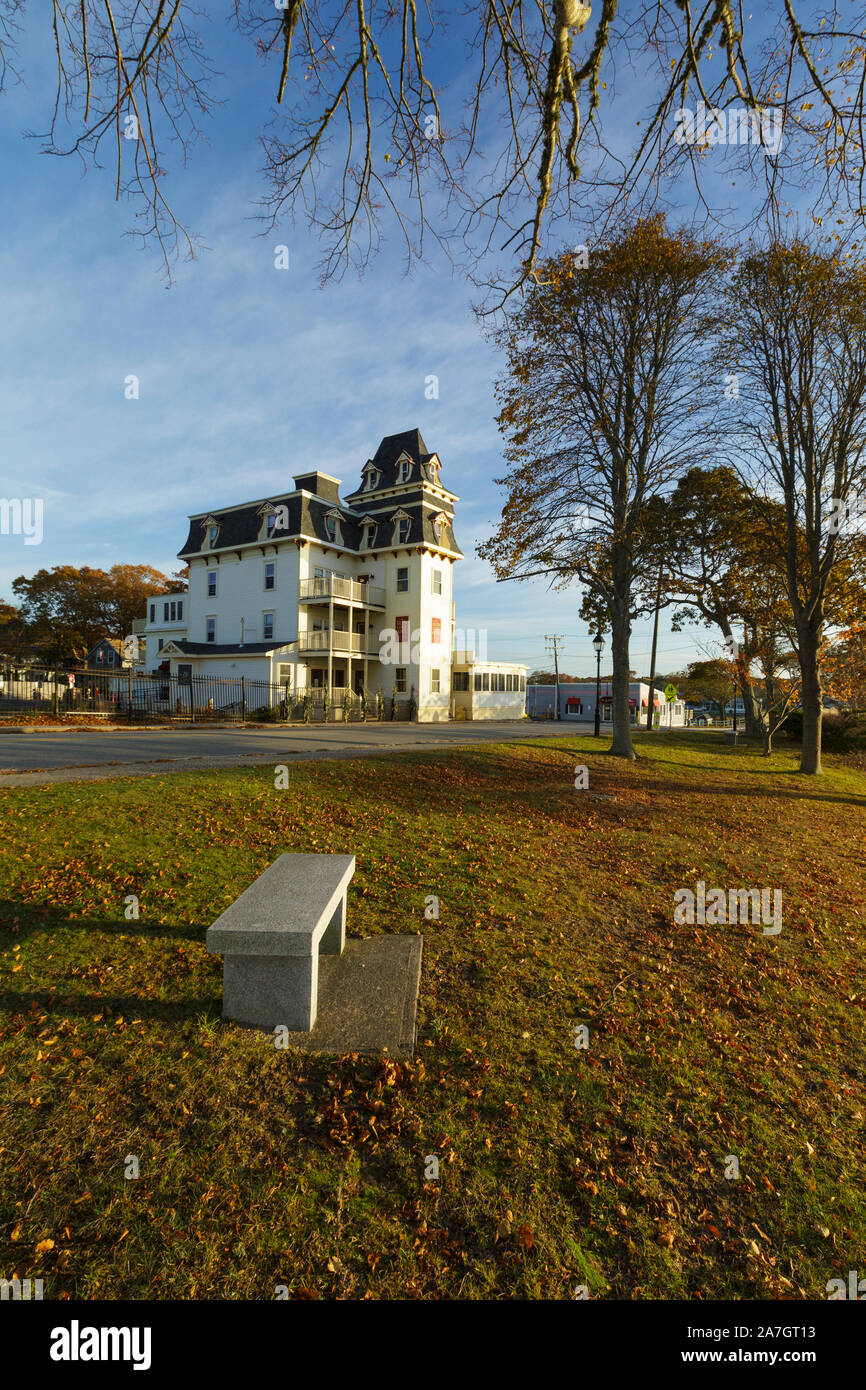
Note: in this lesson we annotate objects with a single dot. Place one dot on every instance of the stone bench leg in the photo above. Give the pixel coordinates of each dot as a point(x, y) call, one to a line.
point(333, 941)
point(267, 991)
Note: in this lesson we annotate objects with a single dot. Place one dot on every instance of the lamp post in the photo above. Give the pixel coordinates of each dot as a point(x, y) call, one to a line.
point(598, 645)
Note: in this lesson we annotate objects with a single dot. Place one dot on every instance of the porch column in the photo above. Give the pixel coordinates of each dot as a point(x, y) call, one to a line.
point(330, 637)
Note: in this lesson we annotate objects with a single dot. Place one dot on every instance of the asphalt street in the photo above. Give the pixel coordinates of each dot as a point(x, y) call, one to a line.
point(30, 757)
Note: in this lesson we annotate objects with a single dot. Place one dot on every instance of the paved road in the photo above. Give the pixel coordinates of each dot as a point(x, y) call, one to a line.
point(32, 757)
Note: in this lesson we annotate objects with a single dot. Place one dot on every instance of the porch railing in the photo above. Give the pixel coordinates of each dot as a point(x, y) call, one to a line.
point(330, 586)
point(335, 640)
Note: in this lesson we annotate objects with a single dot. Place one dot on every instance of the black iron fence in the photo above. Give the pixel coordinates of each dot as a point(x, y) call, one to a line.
point(123, 695)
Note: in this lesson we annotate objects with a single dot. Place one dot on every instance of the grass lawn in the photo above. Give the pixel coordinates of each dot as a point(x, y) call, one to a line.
point(559, 1165)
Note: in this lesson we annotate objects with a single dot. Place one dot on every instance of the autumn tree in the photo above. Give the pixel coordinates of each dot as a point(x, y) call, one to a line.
point(698, 534)
point(705, 680)
point(719, 567)
point(562, 109)
point(67, 610)
point(843, 666)
point(797, 342)
point(608, 382)
point(779, 679)
point(548, 678)
point(13, 634)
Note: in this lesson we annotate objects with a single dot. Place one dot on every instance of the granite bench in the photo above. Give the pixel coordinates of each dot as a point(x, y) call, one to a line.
point(271, 936)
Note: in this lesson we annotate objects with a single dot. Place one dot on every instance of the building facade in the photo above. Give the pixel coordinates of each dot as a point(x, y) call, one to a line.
point(577, 704)
point(308, 591)
point(487, 689)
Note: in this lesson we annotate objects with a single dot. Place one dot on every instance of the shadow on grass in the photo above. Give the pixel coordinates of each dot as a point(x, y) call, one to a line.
point(21, 920)
point(788, 793)
point(126, 1005)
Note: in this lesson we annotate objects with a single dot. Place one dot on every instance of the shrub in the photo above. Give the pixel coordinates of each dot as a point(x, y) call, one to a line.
point(844, 730)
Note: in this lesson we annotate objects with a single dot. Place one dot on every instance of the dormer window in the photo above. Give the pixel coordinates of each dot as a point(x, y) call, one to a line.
point(212, 533)
point(333, 527)
point(402, 527)
point(270, 523)
point(440, 529)
point(404, 470)
point(369, 536)
point(433, 471)
point(371, 480)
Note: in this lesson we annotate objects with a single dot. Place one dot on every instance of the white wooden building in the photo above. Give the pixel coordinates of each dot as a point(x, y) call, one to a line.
point(308, 590)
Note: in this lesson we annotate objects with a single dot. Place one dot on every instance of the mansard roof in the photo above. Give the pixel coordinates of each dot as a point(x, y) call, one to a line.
point(394, 448)
point(306, 512)
point(394, 445)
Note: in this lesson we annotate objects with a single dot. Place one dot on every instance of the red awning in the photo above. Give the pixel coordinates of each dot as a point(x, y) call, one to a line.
point(633, 702)
point(573, 700)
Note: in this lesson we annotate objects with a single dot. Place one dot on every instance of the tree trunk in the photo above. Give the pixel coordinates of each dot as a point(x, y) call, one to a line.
point(750, 707)
point(767, 737)
point(811, 695)
point(620, 632)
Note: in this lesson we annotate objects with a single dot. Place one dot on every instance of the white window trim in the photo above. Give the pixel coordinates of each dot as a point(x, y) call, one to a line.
point(210, 618)
point(273, 588)
point(269, 613)
point(207, 592)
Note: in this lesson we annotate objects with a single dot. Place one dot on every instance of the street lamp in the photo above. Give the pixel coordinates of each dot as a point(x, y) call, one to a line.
point(598, 644)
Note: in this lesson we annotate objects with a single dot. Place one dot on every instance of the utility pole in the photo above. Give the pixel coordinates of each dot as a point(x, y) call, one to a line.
point(555, 638)
point(652, 680)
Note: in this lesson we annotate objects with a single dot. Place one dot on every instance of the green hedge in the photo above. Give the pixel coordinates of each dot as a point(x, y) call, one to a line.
point(844, 730)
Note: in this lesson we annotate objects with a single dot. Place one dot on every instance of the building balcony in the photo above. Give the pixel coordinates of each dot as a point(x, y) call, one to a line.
point(335, 640)
point(323, 589)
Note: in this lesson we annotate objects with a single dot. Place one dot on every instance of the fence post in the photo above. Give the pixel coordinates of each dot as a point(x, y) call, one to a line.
point(129, 694)
point(243, 699)
point(56, 673)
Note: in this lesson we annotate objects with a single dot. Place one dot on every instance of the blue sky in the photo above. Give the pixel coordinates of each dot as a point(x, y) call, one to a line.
point(247, 374)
